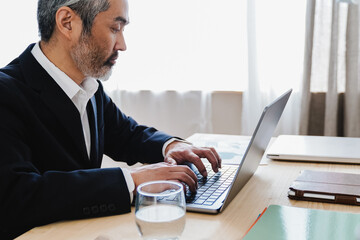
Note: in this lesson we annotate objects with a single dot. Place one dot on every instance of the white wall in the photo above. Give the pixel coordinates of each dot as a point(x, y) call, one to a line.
point(183, 113)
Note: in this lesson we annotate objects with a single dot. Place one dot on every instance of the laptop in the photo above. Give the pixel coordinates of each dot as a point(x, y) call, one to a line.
point(315, 149)
point(216, 191)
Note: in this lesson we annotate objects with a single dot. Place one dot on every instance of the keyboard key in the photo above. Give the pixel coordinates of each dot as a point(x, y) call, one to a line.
point(211, 187)
point(199, 201)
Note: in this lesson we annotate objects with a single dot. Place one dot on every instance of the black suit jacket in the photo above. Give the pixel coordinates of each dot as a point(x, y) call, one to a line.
point(45, 172)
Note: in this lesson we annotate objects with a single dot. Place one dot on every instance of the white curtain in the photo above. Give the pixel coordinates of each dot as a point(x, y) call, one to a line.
point(331, 64)
point(352, 87)
point(275, 53)
point(177, 113)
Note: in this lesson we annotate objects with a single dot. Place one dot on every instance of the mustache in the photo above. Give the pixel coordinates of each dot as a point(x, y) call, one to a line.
point(112, 56)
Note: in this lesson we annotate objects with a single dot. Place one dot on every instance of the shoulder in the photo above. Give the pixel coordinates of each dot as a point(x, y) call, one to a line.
point(13, 74)
point(10, 77)
point(13, 87)
point(12, 70)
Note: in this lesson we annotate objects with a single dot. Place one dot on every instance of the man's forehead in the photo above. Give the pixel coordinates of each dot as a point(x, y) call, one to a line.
point(118, 11)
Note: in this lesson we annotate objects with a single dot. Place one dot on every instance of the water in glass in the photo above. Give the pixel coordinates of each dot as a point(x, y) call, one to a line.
point(160, 210)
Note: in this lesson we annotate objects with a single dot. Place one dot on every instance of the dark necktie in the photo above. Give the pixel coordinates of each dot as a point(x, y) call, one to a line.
point(92, 116)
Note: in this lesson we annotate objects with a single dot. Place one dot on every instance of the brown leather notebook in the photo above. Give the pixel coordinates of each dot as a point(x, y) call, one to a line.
point(330, 187)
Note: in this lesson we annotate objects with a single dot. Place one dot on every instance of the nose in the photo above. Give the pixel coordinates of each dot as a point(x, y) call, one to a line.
point(120, 42)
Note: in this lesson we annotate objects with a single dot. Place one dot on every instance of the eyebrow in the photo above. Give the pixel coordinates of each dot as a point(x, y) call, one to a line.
point(121, 19)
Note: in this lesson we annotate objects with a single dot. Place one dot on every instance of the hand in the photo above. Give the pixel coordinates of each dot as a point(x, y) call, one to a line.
point(179, 152)
point(164, 171)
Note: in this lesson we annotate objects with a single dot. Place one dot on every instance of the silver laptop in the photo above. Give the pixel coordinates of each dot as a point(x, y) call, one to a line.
point(219, 189)
point(315, 149)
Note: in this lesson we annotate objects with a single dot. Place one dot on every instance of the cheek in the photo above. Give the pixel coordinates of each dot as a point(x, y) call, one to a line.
point(103, 48)
point(108, 44)
point(105, 41)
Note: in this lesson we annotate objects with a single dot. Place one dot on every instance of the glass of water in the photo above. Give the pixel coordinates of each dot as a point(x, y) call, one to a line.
point(160, 210)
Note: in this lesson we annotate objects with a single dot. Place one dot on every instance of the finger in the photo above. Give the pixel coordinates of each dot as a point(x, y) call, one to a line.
point(217, 156)
point(209, 155)
point(170, 160)
point(195, 159)
point(187, 176)
point(183, 184)
point(190, 172)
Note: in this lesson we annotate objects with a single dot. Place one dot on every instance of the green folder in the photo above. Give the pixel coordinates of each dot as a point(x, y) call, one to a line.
point(283, 222)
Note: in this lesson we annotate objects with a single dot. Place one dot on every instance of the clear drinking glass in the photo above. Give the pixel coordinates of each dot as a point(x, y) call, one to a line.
point(160, 210)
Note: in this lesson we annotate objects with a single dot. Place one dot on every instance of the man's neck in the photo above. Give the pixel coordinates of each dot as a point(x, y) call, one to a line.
point(61, 58)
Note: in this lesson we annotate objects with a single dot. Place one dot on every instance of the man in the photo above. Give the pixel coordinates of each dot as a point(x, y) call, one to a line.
point(56, 123)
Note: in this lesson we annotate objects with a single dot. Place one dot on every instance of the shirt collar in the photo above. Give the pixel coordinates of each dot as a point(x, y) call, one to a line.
point(89, 85)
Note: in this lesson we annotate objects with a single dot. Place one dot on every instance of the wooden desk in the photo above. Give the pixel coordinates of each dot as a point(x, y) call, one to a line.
point(269, 185)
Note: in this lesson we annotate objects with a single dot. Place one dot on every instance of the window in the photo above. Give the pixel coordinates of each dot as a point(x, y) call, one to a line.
point(18, 26)
point(187, 44)
point(184, 45)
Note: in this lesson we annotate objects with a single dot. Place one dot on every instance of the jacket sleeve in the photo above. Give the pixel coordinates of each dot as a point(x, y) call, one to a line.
point(30, 198)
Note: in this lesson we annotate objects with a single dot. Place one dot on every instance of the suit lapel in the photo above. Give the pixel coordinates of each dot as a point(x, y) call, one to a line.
point(55, 98)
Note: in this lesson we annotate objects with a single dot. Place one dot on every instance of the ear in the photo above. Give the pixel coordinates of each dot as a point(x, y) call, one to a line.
point(68, 23)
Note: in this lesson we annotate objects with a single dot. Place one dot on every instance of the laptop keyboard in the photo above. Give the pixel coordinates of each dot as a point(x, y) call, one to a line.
point(211, 187)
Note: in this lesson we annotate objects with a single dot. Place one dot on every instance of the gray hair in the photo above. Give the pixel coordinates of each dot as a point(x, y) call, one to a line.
point(86, 9)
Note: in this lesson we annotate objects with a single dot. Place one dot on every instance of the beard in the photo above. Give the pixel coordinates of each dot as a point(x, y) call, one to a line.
point(91, 59)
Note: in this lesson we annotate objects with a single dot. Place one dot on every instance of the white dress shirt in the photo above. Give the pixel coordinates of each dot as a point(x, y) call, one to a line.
point(79, 95)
